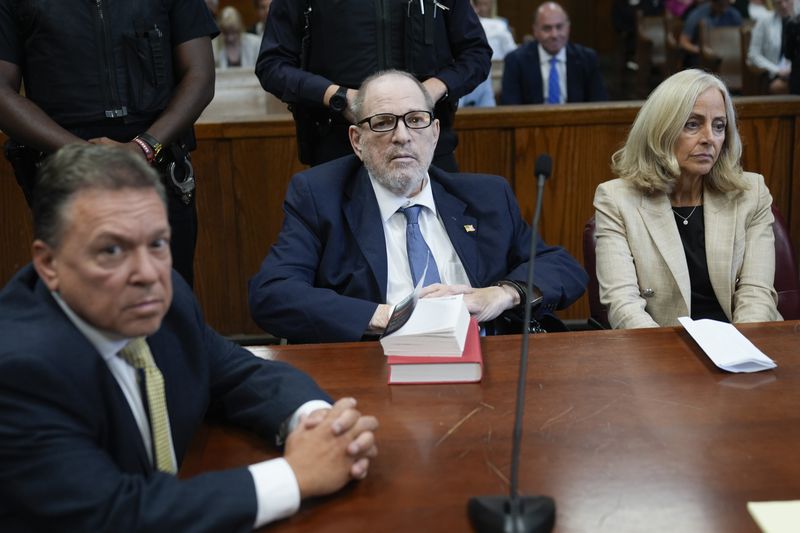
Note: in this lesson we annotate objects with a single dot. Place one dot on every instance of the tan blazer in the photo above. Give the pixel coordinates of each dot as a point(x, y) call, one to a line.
point(641, 265)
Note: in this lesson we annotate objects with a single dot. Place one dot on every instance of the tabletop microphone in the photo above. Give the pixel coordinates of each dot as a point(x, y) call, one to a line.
point(512, 513)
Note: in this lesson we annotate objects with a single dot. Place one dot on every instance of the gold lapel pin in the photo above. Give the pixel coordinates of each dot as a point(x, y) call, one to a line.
point(469, 228)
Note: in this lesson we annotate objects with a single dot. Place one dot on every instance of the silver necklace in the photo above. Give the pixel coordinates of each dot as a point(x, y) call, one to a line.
point(685, 218)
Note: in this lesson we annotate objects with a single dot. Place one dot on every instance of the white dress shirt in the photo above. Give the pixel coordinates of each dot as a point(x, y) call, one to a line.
point(277, 492)
point(399, 280)
point(561, 66)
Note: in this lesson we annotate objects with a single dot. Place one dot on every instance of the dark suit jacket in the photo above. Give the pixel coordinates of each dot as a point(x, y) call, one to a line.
point(327, 273)
point(522, 76)
point(71, 455)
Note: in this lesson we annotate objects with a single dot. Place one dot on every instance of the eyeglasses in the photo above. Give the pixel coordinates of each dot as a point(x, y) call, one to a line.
point(383, 122)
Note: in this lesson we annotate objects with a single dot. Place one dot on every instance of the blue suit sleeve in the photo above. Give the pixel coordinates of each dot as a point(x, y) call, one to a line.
point(278, 64)
point(56, 472)
point(283, 297)
point(472, 55)
point(71, 456)
point(255, 393)
point(556, 273)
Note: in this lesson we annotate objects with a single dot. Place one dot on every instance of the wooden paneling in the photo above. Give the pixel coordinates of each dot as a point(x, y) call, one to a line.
point(243, 169)
point(248, 168)
point(16, 233)
point(486, 151)
point(217, 257)
point(793, 215)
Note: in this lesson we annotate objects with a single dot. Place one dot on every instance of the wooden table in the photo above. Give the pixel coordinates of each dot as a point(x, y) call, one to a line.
point(627, 430)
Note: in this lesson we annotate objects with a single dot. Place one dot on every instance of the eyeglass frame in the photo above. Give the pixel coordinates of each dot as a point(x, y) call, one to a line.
point(397, 120)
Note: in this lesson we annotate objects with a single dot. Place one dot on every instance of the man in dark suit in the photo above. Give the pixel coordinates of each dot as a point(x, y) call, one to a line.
point(341, 261)
point(105, 374)
point(550, 69)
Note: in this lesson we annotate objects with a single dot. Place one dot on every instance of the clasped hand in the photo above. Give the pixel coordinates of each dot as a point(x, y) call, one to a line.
point(329, 447)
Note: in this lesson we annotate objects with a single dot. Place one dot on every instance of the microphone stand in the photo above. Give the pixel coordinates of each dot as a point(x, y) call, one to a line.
point(512, 514)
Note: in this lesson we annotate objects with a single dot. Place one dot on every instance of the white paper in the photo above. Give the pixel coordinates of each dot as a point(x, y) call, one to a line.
point(776, 517)
point(726, 346)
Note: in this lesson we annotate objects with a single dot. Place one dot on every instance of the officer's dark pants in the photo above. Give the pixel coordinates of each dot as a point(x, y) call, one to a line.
point(183, 221)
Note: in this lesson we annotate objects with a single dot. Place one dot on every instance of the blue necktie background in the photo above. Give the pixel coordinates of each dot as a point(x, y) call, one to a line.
point(553, 87)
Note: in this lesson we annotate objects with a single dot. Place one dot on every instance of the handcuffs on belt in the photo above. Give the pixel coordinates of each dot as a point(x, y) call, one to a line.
point(166, 159)
point(185, 186)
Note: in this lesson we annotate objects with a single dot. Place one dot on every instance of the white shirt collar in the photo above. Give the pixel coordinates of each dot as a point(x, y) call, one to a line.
point(544, 56)
point(389, 203)
point(106, 344)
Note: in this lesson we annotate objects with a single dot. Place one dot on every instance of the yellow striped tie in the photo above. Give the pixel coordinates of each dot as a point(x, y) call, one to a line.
point(137, 354)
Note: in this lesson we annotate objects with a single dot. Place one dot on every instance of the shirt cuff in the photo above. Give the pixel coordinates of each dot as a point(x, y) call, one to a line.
point(277, 493)
point(305, 409)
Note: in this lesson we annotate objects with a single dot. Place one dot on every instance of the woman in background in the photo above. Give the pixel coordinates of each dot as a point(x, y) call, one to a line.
point(233, 47)
point(684, 231)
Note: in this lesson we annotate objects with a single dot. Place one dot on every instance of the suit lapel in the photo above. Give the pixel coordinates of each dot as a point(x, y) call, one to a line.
point(457, 224)
point(659, 220)
point(118, 432)
point(719, 216)
point(364, 219)
point(536, 75)
point(573, 75)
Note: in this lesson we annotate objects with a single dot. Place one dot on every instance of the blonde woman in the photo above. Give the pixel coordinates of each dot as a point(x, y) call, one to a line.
point(234, 47)
point(684, 231)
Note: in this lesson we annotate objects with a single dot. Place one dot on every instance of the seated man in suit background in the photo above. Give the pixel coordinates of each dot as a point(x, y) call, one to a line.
point(105, 374)
point(341, 260)
point(570, 71)
point(715, 13)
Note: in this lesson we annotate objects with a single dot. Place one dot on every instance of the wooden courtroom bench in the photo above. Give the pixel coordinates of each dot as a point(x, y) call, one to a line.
point(243, 168)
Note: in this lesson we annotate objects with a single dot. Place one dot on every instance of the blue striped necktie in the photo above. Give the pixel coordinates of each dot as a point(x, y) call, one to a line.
point(418, 252)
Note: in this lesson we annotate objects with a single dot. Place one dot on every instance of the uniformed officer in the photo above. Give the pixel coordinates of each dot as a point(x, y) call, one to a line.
point(136, 73)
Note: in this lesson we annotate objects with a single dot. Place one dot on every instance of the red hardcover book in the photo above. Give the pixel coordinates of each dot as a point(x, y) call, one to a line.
point(468, 368)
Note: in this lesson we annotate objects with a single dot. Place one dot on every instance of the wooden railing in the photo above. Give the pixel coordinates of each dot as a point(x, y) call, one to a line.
point(243, 169)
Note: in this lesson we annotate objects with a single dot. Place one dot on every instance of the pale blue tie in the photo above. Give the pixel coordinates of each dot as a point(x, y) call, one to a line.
point(418, 252)
point(553, 86)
